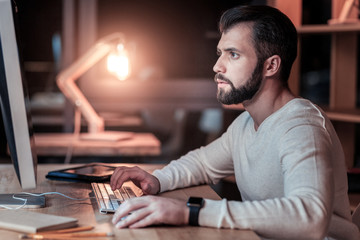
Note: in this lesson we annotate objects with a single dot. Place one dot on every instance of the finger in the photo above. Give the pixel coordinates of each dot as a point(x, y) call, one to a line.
point(119, 218)
point(123, 211)
point(127, 207)
point(152, 187)
point(141, 178)
point(121, 175)
point(115, 182)
point(136, 175)
point(134, 217)
point(147, 220)
point(113, 178)
point(146, 188)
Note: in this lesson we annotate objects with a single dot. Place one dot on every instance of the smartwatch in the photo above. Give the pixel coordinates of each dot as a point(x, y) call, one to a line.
point(194, 204)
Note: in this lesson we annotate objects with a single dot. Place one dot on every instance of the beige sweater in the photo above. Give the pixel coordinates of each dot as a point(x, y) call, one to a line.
point(291, 174)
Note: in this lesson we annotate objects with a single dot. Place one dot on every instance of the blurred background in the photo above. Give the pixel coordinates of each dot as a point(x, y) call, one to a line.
point(170, 42)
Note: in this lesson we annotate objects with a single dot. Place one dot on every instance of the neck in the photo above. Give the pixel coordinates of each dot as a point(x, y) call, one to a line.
point(271, 97)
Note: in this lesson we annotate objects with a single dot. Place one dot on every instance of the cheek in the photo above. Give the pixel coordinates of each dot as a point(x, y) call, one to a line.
point(240, 75)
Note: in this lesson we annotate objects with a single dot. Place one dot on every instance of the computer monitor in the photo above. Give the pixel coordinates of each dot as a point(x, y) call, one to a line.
point(14, 101)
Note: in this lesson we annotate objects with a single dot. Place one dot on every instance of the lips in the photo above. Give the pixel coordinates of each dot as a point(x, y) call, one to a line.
point(219, 81)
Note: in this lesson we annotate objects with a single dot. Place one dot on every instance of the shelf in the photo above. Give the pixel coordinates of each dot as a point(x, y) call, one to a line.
point(348, 115)
point(324, 28)
point(344, 62)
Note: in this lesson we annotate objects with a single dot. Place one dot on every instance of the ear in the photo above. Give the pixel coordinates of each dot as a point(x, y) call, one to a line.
point(272, 65)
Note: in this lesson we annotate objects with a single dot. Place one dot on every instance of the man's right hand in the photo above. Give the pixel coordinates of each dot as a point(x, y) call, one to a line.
point(148, 183)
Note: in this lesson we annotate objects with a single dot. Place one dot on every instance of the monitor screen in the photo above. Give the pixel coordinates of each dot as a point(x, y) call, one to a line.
point(14, 100)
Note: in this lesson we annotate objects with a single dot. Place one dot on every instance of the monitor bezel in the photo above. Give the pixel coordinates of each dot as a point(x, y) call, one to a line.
point(14, 101)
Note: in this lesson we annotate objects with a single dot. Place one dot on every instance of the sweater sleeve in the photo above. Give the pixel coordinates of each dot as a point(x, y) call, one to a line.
point(206, 165)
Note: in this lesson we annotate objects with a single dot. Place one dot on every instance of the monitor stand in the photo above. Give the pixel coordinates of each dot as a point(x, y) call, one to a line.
point(8, 200)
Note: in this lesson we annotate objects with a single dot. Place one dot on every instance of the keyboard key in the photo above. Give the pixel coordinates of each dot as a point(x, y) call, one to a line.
point(129, 192)
point(118, 195)
point(108, 200)
point(123, 193)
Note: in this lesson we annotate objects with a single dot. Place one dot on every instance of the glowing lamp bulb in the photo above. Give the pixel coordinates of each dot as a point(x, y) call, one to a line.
point(118, 63)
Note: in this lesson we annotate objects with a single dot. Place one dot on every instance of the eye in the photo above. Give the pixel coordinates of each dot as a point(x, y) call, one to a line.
point(218, 53)
point(234, 55)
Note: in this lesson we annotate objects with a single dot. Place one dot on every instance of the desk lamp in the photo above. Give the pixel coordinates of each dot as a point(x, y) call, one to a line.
point(345, 12)
point(111, 46)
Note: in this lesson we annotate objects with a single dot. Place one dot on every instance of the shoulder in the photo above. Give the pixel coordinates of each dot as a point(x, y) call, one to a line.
point(300, 112)
point(298, 120)
point(303, 123)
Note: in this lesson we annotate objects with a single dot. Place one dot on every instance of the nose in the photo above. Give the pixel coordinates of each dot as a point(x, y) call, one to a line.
point(219, 67)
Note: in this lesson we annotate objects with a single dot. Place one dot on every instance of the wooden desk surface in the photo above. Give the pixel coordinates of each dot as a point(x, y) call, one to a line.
point(57, 144)
point(87, 212)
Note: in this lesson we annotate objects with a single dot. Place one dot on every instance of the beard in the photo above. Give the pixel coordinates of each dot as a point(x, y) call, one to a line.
point(242, 93)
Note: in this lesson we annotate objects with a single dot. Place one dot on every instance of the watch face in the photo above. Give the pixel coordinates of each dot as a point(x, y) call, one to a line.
point(195, 201)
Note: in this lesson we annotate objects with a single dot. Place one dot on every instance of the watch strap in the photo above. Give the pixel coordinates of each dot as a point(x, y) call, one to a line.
point(194, 204)
point(194, 215)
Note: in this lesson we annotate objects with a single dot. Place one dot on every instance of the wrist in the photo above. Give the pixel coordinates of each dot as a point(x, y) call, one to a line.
point(194, 205)
point(186, 214)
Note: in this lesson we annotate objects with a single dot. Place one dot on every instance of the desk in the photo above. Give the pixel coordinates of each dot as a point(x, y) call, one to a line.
point(57, 144)
point(87, 212)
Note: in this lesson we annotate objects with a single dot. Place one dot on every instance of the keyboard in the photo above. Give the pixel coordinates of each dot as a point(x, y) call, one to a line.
point(108, 200)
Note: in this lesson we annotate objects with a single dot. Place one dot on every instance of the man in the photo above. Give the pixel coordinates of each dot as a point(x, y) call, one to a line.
point(286, 157)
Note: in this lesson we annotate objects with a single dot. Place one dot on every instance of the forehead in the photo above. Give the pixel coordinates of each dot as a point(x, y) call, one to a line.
point(236, 36)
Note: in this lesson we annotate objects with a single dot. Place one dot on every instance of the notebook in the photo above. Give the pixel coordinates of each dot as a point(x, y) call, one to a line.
point(33, 222)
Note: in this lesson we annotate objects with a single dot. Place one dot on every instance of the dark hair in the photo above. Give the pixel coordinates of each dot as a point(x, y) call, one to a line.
point(273, 33)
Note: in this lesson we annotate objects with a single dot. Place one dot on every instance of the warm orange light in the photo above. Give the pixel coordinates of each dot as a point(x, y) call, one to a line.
point(118, 63)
